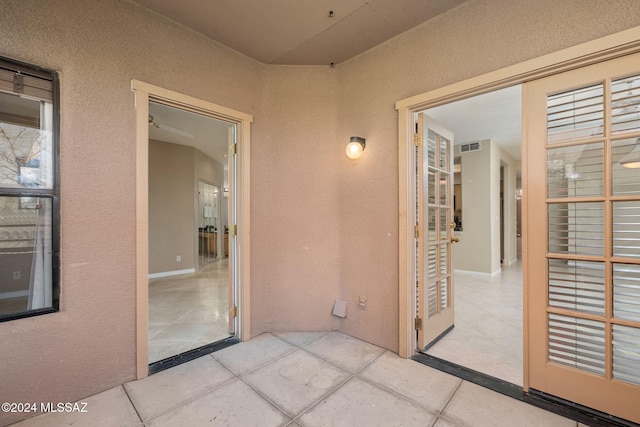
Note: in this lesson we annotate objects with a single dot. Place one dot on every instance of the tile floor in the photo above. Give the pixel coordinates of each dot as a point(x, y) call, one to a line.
point(188, 311)
point(488, 325)
point(300, 380)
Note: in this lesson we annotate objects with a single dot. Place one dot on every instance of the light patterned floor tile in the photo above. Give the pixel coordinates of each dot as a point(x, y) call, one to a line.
point(424, 385)
point(359, 403)
point(296, 381)
point(248, 356)
point(167, 389)
point(473, 405)
point(234, 404)
point(344, 351)
point(110, 408)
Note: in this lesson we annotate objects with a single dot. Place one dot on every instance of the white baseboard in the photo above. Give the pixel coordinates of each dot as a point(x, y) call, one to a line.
point(477, 273)
point(14, 294)
point(171, 273)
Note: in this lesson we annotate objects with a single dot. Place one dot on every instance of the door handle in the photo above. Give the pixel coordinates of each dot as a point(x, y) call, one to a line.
point(454, 240)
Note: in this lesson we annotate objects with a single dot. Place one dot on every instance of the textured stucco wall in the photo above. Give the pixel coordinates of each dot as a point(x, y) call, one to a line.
point(295, 221)
point(477, 37)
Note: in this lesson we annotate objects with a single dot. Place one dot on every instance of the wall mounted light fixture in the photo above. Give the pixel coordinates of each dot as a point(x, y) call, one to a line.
point(632, 160)
point(355, 147)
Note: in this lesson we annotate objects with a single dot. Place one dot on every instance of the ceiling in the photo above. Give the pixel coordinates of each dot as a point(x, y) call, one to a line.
point(207, 134)
point(494, 115)
point(300, 32)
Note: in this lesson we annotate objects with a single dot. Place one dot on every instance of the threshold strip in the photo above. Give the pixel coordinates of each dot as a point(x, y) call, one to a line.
point(190, 355)
point(562, 407)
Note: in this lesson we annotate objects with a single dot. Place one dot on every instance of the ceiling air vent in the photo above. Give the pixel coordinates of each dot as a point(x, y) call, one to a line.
point(472, 146)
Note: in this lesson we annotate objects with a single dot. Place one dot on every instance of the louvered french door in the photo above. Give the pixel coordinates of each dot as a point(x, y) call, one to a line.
point(582, 258)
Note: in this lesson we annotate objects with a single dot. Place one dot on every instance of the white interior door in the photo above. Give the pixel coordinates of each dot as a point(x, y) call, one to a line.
point(434, 227)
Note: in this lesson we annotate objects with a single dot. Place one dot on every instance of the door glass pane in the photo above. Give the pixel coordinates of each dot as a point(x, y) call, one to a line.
point(626, 229)
point(431, 187)
point(444, 187)
point(625, 105)
point(432, 262)
point(575, 171)
point(444, 260)
point(432, 299)
point(577, 285)
point(431, 222)
point(575, 114)
point(444, 293)
point(431, 149)
point(576, 228)
point(444, 224)
point(626, 292)
point(626, 354)
point(625, 180)
point(444, 154)
point(578, 343)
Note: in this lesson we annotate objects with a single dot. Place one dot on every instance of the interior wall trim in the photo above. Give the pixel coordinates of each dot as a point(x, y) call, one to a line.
point(145, 92)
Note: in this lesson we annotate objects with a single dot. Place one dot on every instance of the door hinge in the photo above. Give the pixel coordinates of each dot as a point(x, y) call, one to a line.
point(416, 232)
point(233, 230)
point(418, 323)
point(233, 149)
point(417, 140)
point(234, 311)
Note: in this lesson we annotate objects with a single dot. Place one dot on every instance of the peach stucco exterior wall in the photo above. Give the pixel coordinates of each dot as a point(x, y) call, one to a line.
point(322, 226)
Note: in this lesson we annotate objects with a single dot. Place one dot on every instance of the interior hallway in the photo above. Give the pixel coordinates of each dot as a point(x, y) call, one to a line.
point(190, 310)
point(302, 379)
point(487, 336)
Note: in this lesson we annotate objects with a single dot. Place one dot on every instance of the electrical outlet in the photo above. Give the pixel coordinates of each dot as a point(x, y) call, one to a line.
point(17, 275)
point(178, 258)
point(362, 303)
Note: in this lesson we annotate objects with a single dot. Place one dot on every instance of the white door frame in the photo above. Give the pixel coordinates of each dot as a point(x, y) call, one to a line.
point(144, 93)
point(612, 46)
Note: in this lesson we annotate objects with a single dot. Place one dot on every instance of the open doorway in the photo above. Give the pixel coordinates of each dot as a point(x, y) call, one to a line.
point(190, 287)
point(488, 318)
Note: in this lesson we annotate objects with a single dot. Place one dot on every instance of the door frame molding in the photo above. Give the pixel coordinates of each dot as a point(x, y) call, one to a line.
point(144, 93)
point(601, 49)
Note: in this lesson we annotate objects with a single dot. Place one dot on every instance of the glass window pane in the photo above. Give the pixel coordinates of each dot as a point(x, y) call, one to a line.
point(626, 229)
point(444, 222)
point(431, 187)
point(626, 354)
point(576, 342)
point(626, 292)
point(431, 149)
point(432, 299)
point(444, 188)
point(444, 260)
point(444, 293)
point(625, 105)
point(25, 254)
point(26, 152)
point(577, 285)
point(575, 171)
point(625, 166)
point(575, 114)
point(432, 262)
point(576, 228)
point(431, 222)
point(444, 154)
